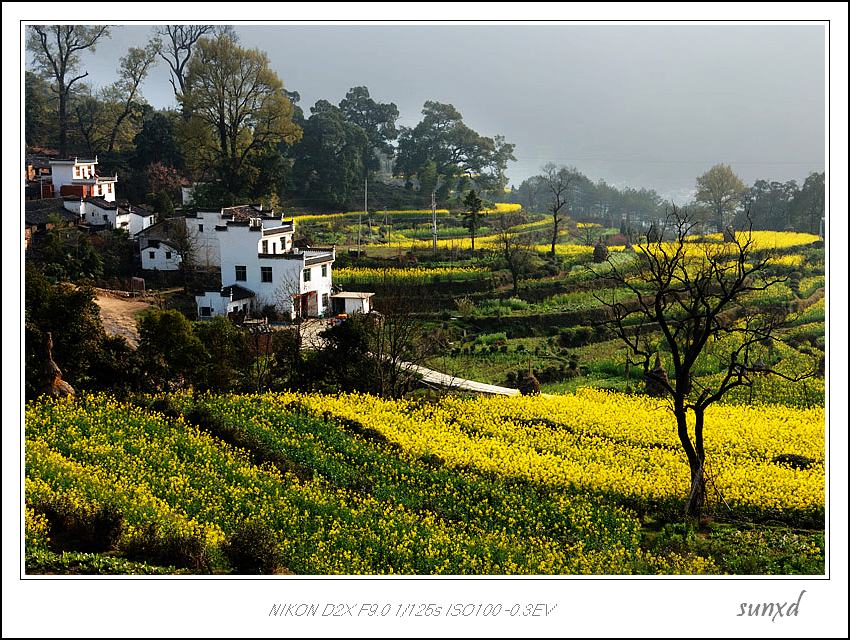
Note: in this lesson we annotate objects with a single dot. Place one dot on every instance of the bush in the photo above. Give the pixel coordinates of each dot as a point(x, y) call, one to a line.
point(490, 339)
point(529, 385)
point(167, 548)
point(576, 336)
point(600, 253)
point(94, 529)
point(253, 549)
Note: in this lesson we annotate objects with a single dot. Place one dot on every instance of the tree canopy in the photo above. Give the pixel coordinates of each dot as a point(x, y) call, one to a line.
point(329, 161)
point(721, 190)
point(377, 120)
point(239, 109)
point(457, 150)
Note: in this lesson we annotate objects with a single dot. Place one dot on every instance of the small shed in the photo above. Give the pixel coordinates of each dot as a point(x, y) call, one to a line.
point(351, 302)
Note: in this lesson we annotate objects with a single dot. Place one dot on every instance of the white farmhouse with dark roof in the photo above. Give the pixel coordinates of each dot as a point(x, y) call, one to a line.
point(98, 212)
point(261, 267)
point(79, 177)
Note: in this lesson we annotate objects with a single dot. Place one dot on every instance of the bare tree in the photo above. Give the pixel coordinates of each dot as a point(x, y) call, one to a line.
point(397, 343)
point(178, 42)
point(514, 247)
point(696, 295)
point(560, 182)
point(56, 51)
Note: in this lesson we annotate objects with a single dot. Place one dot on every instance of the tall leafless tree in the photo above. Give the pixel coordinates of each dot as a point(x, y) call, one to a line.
point(178, 40)
point(560, 182)
point(397, 343)
point(515, 246)
point(695, 294)
point(56, 50)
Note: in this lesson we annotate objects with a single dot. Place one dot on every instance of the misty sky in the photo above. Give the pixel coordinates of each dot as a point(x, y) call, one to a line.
point(650, 106)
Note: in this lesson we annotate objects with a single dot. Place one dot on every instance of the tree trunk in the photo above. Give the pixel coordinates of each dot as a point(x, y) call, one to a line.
point(555, 222)
point(63, 122)
point(696, 499)
point(696, 495)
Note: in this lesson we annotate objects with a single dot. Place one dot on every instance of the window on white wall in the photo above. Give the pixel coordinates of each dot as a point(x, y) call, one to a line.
point(324, 271)
point(307, 275)
point(265, 274)
point(241, 273)
point(168, 255)
point(151, 255)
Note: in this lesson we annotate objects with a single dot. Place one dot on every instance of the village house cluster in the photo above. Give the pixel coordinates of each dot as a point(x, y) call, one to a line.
point(260, 265)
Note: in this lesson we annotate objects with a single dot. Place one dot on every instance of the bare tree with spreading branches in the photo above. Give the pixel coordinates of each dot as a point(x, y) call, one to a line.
point(56, 53)
point(178, 40)
point(697, 295)
point(515, 247)
point(560, 182)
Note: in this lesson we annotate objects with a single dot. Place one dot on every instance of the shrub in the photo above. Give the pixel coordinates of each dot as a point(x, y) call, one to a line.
point(600, 253)
point(490, 339)
point(253, 549)
point(576, 336)
point(529, 385)
point(167, 548)
point(93, 528)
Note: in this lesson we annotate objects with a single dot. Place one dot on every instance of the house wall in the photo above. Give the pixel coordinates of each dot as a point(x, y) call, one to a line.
point(105, 190)
point(356, 305)
point(240, 245)
point(62, 174)
point(159, 261)
point(213, 300)
point(139, 223)
point(75, 206)
point(202, 232)
point(79, 190)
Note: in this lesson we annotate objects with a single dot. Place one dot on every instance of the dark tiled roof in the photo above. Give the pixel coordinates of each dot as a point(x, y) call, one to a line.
point(136, 210)
point(326, 257)
point(100, 203)
point(39, 162)
point(239, 293)
point(38, 211)
point(285, 227)
point(246, 212)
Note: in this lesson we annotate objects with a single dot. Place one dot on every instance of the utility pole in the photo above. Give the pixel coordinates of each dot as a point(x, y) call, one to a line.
point(434, 219)
point(365, 209)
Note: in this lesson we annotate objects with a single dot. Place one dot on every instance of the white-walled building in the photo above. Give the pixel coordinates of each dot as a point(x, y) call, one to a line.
point(98, 212)
point(79, 177)
point(161, 256)
point(351, 302)
point(260, 267)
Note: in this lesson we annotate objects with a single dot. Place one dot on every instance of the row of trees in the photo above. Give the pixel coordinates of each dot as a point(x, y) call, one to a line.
point(237, 128)
point(721, 198)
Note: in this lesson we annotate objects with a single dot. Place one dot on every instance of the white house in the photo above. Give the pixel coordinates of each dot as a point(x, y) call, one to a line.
point(351, 302)
point(200, 229)
point(79, 177)
point(161, 256)
point(98, 212)
point(257, 257)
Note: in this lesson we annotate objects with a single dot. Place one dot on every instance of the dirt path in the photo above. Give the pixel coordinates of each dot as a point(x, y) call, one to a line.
point(119, 315)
